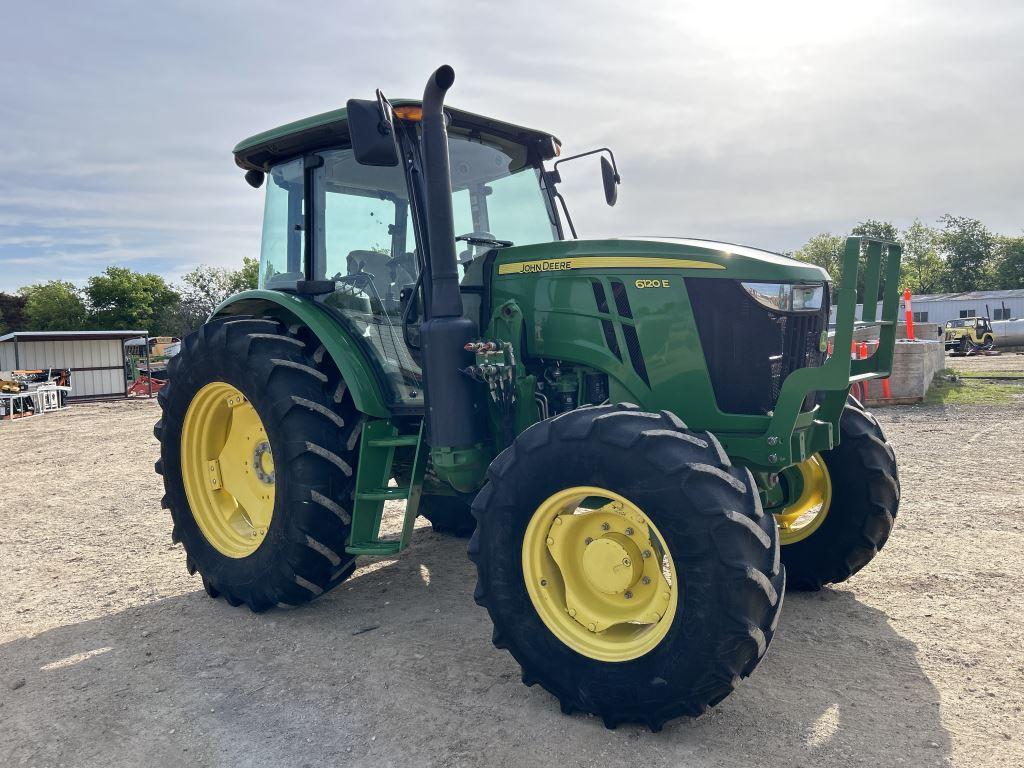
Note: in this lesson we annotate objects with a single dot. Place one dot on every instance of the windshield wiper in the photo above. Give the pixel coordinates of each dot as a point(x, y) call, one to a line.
point(484, 238)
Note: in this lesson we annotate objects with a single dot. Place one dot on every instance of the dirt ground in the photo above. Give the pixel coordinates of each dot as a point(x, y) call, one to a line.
point(110, 655)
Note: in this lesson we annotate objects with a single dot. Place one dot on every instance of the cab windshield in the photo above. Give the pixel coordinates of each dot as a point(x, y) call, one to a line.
point(496, 195)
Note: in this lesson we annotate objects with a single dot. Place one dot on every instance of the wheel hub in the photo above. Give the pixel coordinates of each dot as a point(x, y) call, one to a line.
point(227, 468)
point(263, 463)
point(611, 564)
point(807, 500)
point(600, 578)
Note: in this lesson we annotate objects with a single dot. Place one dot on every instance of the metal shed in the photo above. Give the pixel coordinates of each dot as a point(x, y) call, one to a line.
point(96, 358)
point(940, 307)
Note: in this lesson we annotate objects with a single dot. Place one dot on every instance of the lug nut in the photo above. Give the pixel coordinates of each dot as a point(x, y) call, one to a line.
point(627, 594)
point(646, 553)
point(543, 582)
point(588, 540)
point(772, 459)
point(629, 531)
point(605, 526)
point(645, 580)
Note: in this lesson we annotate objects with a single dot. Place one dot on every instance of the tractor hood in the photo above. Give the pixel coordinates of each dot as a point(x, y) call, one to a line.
point(704, 257)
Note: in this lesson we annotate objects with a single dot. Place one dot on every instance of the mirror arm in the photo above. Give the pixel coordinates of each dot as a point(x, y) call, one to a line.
point(611, 156)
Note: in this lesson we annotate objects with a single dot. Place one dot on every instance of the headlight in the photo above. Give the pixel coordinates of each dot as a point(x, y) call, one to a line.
point(787, 297)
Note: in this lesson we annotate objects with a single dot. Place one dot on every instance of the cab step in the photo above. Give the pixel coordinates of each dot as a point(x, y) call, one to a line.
point(381, 442)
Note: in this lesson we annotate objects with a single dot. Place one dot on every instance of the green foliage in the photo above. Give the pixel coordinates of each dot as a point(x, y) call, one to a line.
point(923, 270)
point(54, 306)
point(202, 290)
point(825, 251)
point(1009, 262)
point(967, 247)
point(880, 230)
point(121, 299)
point(12, 309)
point(248, 277)
point(963, 255)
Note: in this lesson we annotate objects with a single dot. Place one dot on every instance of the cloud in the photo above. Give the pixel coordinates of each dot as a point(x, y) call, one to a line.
point(757, 122)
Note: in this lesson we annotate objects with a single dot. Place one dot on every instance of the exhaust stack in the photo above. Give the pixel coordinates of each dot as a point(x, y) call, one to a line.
point(454, 413)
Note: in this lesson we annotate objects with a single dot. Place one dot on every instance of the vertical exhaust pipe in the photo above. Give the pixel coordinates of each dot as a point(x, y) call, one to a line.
point(454, 408)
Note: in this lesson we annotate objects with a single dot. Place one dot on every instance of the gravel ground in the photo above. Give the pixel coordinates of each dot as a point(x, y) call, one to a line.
point(110, 655)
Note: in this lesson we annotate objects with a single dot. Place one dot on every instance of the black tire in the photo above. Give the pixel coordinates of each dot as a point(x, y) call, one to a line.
point(449, 515)
point(865, 500)
point(313, 428)
point(709, 513)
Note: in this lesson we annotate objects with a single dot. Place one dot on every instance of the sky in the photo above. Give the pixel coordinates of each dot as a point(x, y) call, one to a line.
point(758, 123)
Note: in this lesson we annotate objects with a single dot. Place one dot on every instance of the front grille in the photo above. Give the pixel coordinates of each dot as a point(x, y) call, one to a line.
point(750, 349)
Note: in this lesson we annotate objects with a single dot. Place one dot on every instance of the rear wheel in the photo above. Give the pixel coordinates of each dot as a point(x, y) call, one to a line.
point(257, 450)
point(840, 505)
point(626, 564)
point(449, 515)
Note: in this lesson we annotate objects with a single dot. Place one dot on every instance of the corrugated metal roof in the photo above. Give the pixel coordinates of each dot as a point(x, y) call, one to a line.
point(1013, 293)
point(71, 335)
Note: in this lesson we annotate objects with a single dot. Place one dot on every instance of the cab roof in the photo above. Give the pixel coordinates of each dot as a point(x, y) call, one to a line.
point(329, 129)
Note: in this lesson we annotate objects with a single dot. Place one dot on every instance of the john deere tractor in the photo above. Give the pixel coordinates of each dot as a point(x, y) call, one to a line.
point(629, 428)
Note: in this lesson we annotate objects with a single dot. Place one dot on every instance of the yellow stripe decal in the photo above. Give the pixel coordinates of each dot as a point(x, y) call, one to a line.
point(602, 262)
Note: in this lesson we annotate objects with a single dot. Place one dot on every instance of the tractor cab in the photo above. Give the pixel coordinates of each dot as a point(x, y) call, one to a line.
point(358, 244)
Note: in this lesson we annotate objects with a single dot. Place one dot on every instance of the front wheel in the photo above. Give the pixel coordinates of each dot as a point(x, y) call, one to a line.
point(840, 505)
point(626, 564)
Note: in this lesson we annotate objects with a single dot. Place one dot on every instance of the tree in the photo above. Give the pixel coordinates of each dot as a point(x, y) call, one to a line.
point(203, 289)
point(922, 267)
point(968, 249)
point(1009, 262)
point(121, 299)
point(826, 251)
point(880, 230)
point(53, 306)
point(247, 278)
point(12, 308)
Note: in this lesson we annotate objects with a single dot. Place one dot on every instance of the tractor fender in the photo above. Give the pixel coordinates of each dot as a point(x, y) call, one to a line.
point(355, 369)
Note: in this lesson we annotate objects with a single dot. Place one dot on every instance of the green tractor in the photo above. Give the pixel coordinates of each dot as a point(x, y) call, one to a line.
point(629, 428)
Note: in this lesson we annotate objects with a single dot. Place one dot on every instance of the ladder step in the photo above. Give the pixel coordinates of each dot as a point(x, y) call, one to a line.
point(374, 548)
point(393, 442)
point(383, 494)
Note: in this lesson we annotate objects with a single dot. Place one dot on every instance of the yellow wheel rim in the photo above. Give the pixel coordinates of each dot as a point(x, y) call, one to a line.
point(811, 500)
point(600, 578)
point(228, 470)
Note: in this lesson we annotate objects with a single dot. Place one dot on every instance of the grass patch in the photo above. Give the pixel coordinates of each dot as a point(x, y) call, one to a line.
point(954, 388)
point(994, 375)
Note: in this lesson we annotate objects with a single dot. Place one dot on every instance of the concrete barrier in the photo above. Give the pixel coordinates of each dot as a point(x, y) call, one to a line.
point(914, 364)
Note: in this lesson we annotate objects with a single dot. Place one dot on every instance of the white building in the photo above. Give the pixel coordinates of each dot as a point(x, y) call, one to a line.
point(940, 307)
point(96, 358)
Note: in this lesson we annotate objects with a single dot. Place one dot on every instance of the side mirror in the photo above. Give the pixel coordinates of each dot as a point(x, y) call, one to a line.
point(372, 132)
point(611, 181)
